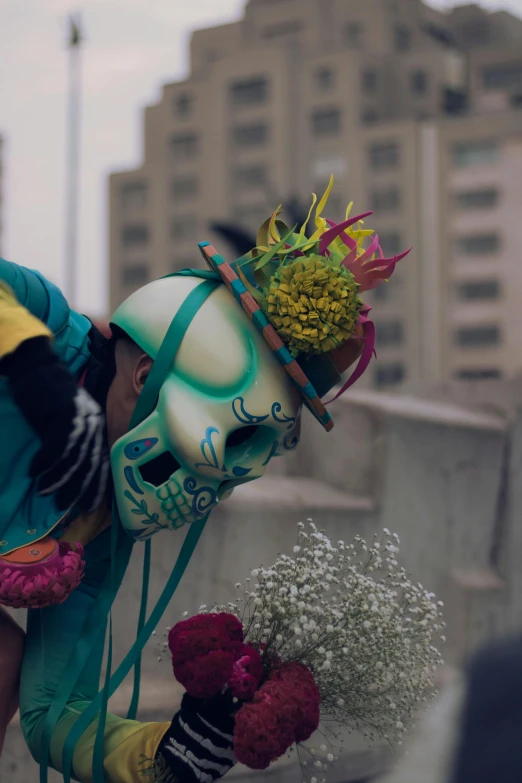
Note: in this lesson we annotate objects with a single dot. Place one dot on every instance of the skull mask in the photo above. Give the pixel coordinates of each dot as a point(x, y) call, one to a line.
point(224, 410)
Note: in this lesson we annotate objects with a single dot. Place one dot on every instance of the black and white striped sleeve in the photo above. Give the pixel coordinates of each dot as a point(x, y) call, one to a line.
point(197, 748)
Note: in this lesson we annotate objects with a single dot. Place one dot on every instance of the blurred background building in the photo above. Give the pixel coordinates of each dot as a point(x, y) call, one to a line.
point(416, 112)
point(1, 190)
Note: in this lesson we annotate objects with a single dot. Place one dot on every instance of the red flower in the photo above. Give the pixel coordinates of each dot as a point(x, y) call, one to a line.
point(284, 710)
point(208, 651)
point(246, 673)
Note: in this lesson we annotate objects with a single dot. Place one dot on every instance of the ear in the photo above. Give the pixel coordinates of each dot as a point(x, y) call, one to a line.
point(141, 373)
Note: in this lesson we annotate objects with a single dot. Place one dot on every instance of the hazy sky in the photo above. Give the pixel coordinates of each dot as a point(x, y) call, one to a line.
point(132, 47)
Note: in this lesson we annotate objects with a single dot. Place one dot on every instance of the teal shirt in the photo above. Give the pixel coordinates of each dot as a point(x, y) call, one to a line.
point(24, 516)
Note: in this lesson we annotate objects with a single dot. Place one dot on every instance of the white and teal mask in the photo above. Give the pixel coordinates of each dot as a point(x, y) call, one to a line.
point(216, 408)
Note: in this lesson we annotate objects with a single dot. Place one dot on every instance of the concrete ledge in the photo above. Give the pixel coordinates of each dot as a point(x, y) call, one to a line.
point(417, 409)
point(477, 578)
point(294, 493)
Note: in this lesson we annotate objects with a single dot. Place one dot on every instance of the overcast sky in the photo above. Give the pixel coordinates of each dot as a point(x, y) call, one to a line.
point(132, 47)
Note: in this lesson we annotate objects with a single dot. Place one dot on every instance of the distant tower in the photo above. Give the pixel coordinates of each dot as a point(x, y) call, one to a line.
point(74, 42)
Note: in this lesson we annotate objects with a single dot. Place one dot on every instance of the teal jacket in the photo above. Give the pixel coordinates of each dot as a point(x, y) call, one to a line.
point(24, 516)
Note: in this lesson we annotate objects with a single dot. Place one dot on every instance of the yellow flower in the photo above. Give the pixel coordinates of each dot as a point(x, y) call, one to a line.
point(313, 304)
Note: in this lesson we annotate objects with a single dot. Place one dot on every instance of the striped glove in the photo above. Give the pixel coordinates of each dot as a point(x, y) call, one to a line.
point(197, 748)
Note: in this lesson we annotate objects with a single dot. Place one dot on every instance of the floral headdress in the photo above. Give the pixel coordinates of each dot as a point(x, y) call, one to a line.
point(303, 293)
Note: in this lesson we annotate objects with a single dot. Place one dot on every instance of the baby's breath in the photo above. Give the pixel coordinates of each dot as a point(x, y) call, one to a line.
point(352, 615)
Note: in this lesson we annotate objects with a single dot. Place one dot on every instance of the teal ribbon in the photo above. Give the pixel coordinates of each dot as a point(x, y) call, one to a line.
point(133, 707)
point(80, 655)
point(120, 555)
point(187, 550)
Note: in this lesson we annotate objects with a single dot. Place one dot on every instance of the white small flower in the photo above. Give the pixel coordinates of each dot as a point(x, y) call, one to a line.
point(330, 757)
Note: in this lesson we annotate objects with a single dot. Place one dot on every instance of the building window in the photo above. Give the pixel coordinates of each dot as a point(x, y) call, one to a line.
point(324, 79)
point(383, 155)
point(353, 35)
point(336, 207)
point(391, 243)
point(184, 187)
point(135, 275)
point(183, 228)
point(326, 122)
point(505, 76)
point(183, 105)
point(253, 135)
point(402, 39)
point(478, 374)
point(387, 291)
point(133, 194)
point(369, 117)
point(385, 200)
point(478, 290)
point(389, 374)
point(290, 27)
point(477, 199)
point(135, 235)
point(369, 80)
point(477, 336)
point(473, 153)
point(478, 244)
point(184, 146)
point(390, 333)
point(249, 92)
point(253, 176)
point(419, 82)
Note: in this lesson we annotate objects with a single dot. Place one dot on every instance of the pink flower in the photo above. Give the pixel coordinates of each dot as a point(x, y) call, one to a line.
point(44, 584)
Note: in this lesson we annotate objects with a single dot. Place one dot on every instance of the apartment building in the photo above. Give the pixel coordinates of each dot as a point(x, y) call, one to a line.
point(381, 93)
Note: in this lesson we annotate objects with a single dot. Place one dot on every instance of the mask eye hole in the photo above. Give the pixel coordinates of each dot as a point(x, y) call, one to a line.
point(157, 471)
point(241, 436)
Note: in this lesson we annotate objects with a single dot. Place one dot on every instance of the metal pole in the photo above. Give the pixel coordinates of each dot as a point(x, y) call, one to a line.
point(75, 40)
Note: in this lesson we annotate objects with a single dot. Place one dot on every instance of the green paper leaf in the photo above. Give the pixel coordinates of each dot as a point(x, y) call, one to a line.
point(273, 252)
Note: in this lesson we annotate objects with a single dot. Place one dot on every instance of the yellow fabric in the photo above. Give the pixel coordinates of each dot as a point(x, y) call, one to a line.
point(129, 746)
point(131, 761)
point(86, 527)
point(16, 323)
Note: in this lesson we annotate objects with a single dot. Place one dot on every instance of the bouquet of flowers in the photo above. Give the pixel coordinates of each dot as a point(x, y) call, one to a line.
point(336, 635)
